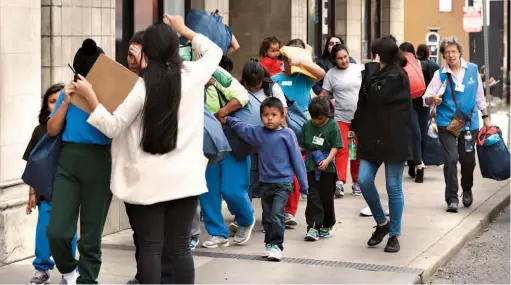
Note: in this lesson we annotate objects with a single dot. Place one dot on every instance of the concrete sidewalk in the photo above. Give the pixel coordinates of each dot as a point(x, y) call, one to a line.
point(430, 238)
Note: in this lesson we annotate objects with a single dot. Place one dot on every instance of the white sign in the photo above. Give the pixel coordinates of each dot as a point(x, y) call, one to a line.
point(479, 3)
point(472, 19)
point(445, 6)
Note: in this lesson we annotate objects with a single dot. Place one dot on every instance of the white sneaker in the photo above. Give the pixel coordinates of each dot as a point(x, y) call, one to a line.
point(290, 220)
point(70, 278)
point(243, 234)
point(275, 254)
point(339, 189)
point(366, 212)
point(215, 241)
point(266, 251)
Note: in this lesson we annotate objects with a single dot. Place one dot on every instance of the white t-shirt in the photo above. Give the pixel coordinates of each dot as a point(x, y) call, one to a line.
point(344, 84)
point(277, 93)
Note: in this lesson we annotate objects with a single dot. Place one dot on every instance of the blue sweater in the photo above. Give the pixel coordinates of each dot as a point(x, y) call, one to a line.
point(279, 154)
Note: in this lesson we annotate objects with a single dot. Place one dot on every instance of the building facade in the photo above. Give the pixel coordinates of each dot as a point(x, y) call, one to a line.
point(38, 38)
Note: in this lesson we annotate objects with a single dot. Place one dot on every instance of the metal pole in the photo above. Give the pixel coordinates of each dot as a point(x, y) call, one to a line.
point(486, 56)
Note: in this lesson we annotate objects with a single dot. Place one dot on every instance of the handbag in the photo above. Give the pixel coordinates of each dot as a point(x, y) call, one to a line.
point(42, 165)
point(211, 26)
point(493, 155)
point(432, 153)
point(215, 144)
point(460, 119)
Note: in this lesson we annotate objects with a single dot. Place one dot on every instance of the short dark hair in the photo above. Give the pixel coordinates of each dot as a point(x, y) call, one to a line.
point(265, 45)
point(407, 47)
point(388, 51)
point(321, 106)
point(296, 43)
point(44, 113)
point(137, 38)
point(272, 102)
point(226, 63)
point(325, 53)
point(423, 51)
point(336, 49)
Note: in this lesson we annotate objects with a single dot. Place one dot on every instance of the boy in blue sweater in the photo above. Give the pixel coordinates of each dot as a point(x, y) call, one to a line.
point(279, 160)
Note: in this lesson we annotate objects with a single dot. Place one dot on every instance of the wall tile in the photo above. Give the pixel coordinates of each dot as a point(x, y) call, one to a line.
point(23, 39)
point(85, 3)
point(105, 22)
point(106, 3)
point(46, 21)
point(96, 21)
point(11, 166)
point(66, 55)
point(19, 132)
point(45, 77)
point(46, 51)
point(86, 21)
point(67, 3)
point(21, 73)
point(96, 3)
point(67, 21)
point(76, 22)
point(56, 21)
point(56, 51)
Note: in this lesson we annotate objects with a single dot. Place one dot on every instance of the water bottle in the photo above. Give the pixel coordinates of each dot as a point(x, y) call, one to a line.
point(352, 148)
point(468, 141)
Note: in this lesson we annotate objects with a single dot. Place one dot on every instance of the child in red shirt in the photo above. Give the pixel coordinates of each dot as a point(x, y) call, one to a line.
point(270, 52)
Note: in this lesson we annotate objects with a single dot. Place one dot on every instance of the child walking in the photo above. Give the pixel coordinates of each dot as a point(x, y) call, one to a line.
point(320, 140)
point(279, 161)
point(270, 52)
point(42, 262)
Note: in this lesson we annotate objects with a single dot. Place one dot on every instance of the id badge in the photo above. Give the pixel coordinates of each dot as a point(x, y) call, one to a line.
point(318, 141)
point(460, 87)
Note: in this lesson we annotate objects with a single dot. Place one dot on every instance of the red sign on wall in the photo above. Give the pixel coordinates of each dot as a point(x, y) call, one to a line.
point(472, 19)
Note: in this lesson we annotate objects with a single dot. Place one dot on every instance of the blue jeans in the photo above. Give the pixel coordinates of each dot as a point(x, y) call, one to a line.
point(394, 182)
point(42, 260)
point(273, 201)
point(420, 118)
point(227, 179)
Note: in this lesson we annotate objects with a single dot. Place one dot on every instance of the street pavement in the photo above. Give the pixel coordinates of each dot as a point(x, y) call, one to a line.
point(484, 260)
point(430, 238)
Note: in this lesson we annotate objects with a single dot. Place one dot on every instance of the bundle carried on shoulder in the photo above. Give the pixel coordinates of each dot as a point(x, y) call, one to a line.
point(211, 26)
point(494, 158)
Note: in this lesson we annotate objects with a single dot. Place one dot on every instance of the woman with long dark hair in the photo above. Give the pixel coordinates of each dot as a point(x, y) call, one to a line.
point(382, 124)
point(158, 164)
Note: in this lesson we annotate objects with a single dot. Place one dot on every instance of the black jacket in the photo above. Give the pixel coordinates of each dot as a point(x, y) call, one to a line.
point(382, 121)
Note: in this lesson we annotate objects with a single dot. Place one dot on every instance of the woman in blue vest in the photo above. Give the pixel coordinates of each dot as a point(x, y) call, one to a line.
point(461, 79)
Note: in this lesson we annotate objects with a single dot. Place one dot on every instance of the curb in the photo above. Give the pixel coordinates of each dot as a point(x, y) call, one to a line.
point(450, 244)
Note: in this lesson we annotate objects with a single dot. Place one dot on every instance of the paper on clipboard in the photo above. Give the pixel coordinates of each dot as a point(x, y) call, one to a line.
point(111, 81)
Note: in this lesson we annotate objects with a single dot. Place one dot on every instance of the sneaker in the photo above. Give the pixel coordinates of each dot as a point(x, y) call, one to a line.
point(366, 212)
point(290, 220)
point(40, 277)
point(379, 234)
point(303, 197)
point(233, 228)
point(392, 245)
point(194, 241)
point(243, 234)
point(452, 207)
point(468, 198)
point(132, 281)
point(355, 190)
point(312, 235)
point(216, 241)
point(69, 278)
point(326, 232)
point(339, 189)
point(267, 250)
point(275, 254)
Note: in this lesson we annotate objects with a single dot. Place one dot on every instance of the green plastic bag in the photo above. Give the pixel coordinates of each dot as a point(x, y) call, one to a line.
point(223, 77)
point(186, 53)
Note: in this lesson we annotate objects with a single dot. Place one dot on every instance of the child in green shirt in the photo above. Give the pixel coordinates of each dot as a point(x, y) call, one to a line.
point(320, 140)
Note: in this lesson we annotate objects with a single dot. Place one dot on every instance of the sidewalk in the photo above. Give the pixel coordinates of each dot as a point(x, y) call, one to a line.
point(430, 238)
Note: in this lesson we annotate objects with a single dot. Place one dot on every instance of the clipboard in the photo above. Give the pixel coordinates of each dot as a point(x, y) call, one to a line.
point(111, 81)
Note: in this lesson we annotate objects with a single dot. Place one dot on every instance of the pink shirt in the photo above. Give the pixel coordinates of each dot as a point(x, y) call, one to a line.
point(435, 84)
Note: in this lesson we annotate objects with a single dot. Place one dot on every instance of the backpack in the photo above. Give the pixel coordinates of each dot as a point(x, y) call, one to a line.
point(415, 76)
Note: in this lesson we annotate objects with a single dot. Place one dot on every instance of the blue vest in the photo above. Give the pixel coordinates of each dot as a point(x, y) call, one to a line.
point(466, 99)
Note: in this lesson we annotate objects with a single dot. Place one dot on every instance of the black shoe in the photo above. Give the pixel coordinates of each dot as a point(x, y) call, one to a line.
point(411, 170)
point(468, 198)
point(420, 176)
point(392, 245)
point(452, 208)
point(379, 234)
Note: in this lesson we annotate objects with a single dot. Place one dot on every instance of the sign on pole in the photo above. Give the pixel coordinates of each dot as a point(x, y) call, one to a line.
point(472, 19)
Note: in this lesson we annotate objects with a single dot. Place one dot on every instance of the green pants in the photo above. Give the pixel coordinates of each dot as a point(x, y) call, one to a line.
point(81, 188)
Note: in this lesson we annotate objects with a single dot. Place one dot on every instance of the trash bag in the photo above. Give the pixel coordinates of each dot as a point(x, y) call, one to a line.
point(211, 26)
point(493, 154)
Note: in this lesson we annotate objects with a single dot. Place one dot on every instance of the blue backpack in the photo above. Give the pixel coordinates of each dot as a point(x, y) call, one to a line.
point(42, 165)
point(211, 26)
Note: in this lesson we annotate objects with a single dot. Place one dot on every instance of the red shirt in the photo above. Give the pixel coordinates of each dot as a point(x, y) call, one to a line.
point(272, 65)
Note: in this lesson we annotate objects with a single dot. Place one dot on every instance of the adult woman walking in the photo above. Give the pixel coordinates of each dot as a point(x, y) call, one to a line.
point(157, 144)
point(457, 91)
point(343, 82)
point(325, 61)
point(382, 125)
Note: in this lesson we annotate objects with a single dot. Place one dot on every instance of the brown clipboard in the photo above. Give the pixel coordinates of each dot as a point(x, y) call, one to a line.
point(111, 81)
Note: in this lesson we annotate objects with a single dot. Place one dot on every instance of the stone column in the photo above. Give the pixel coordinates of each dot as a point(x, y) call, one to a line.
point(20, 93)
point(393, 22)
point(353, 37)
point(299, 19)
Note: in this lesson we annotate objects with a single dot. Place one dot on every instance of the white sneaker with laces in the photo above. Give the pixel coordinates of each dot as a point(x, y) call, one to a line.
point(366, 212)
point(266, 251)
point(275, 254)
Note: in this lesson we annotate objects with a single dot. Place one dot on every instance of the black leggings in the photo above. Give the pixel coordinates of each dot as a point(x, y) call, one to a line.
point(164, 229)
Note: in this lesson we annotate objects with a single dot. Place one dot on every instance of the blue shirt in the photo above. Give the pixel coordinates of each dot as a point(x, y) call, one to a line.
point(76, 128)
point(296, 88)
point(279, 154)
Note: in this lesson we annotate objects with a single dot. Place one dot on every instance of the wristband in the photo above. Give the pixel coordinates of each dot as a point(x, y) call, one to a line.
point(484, 116)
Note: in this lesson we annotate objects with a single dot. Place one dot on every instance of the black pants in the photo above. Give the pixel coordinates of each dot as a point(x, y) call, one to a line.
point(320, 210)
point(454, 148)
point(422, 114)
point(273, 201)
point(254, 191)
point(166, 270)
point(163, 230)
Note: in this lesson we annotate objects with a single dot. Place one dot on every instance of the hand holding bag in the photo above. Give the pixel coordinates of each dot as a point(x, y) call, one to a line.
point(460, 119)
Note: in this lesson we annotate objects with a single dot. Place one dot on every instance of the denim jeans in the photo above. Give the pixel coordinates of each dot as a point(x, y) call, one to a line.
point(273, 200)
point(394, 182)
point(420, 118)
